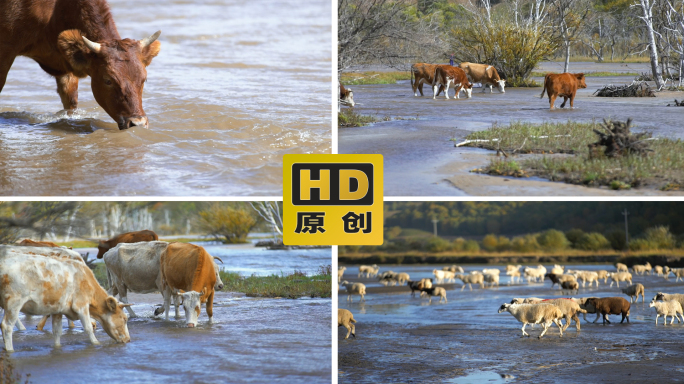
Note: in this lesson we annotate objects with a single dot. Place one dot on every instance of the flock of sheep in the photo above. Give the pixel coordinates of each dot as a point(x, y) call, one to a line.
point(534, 310)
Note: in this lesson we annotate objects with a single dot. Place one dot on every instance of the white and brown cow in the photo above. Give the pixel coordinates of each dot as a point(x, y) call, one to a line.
point(188, 271)
point(346, 96)
point(37, 285)
point(485, 74)
point(423, 73)
point(447, 75)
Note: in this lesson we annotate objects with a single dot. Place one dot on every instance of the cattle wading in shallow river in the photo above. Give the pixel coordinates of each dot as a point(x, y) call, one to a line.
point(72, 39)
point(38, 285)
point(188, 271)
point(564, 85)
point(423, 73)
point(446, 75)
point(485, 74)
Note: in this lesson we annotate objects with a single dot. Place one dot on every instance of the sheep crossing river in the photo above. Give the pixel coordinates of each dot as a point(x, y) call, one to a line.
point(407, 339)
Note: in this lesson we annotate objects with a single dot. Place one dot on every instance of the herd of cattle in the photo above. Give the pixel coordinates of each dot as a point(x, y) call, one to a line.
point(533, 310)
point(443, 76)
point(44, 279)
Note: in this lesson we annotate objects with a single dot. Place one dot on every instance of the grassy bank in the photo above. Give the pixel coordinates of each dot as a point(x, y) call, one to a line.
point(292, 286)
point(593, 74)
point(671, 258)
point(663, 168)
point(362, 78)
point(347, 118)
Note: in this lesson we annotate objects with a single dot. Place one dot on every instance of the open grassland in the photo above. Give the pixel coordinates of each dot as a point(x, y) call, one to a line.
point(359, 78)
point(662, 168)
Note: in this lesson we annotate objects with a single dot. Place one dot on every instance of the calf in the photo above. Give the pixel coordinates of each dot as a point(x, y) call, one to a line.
point(446, 75)
point(346, 96)
point(610, 306)
point(564, 85)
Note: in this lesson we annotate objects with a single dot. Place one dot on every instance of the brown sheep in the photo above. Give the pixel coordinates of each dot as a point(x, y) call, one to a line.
point(419, 285)
point(570, 286)
point(610, 306)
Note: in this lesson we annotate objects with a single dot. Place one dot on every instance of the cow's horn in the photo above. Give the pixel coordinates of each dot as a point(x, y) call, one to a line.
point(149, 40)
point(219, 259)
point(95, 47)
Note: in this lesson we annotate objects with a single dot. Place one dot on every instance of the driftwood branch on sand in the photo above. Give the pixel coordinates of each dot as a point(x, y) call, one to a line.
point(636, 89)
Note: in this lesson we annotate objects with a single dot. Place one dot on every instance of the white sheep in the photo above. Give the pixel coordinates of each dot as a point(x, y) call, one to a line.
point(434, 291)
point(453, 268)
point(511, 268)
point(440, 276)
point(669, 296)
point(639, 269)
point(491, 271)
point(491, 278)
point(340, 272)
point(633, 291)
point(544, 314)
point(354, 289)
point(617, 277)
point(621, 267)
point(529, 300)
point(667, 308)
point(603, 274)
point(369, 270)
point(515, 275)
point(471, 279)
point(346, 319)
point(585, 276)
point(678, 272)
point(534, 273)
point(587, 307)
point(570, 309)
point(558, 269)
point(402, 277)
point(666, 272)
point(658, 270)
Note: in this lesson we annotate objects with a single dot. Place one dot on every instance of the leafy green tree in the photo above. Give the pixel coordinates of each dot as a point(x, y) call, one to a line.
point(471, 246)
point(226, 222)
point(489, 243)
point(573, 236)
point(617, 240)
point(437, 244)
point(553, 240)
point(593, 242)
point(660, 237)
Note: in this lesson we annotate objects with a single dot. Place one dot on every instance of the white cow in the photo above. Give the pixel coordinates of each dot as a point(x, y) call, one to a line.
point(39, 285)
point(135, 267)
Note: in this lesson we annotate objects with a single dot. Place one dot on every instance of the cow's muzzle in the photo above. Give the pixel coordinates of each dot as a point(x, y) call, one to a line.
point(191, 325)
point(134, 121)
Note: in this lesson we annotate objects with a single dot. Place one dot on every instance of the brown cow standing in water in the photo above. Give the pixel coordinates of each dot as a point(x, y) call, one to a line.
point(129, 237)
point(564, 85)
point(77, 38)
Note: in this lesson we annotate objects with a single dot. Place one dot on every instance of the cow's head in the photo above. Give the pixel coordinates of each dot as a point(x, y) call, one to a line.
point(102, 248)
point(580, 80)
point(114, 321)
point(501, 84)
point(117, 72)
point(219, 284)
point(191, 305)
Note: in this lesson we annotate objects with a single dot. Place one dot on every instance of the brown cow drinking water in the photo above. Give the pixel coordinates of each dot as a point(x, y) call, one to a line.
point(77, 38)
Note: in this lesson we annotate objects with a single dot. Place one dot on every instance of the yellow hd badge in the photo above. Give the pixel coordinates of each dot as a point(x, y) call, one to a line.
point(332, 200)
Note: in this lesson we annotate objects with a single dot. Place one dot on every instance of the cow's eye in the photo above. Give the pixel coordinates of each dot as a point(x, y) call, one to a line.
point(108, 82)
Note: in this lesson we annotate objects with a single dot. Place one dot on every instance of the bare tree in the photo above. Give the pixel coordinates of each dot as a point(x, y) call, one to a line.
point(674, 27)
point(569, 17)
point(40, 218)
point(385, 32)
point(646, 8)
point(270, 212)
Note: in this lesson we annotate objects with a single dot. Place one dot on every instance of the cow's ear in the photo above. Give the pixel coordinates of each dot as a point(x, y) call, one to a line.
point(150, 52)
point(111, 304)
point(73, 48)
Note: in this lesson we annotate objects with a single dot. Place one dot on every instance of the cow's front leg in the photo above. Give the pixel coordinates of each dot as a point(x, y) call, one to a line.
point(67, 87)
point(123, 295)
point(210, 307)
point(7, 326)
point(57, 328)
point(176, 303)
point(84, 316)
point(20, 325)
point(167, 301)
point(446, 89)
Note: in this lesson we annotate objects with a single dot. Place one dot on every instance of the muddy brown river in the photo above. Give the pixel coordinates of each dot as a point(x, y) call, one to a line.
point(419, 154)
point(237, 85)
point(407, 340)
